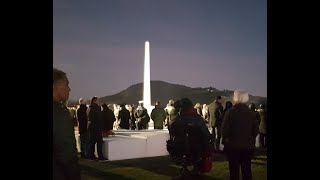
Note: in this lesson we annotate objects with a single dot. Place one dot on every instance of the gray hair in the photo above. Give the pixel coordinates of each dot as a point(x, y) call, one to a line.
point(81, 101)
point(240, 96)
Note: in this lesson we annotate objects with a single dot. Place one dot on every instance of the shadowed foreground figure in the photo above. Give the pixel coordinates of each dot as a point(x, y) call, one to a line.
point(95, 129)
point(189, 139)
point(83, 128)
point(107, 117)
point(65, 160)
point(239, 131)
point(263, 126)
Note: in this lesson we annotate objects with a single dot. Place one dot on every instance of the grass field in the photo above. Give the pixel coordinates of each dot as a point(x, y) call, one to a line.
point(162, 168)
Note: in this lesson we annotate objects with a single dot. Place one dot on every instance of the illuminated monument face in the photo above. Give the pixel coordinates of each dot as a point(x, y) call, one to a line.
point(146, 83)
point(146, 79)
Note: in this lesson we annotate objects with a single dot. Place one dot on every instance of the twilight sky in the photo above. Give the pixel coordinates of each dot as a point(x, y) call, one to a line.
point(197, 43)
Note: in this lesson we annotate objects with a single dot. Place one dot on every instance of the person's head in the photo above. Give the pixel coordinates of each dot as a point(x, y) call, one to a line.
point(228, 105)
point(219, 99)
point(252, 106)
point(240, 96)
point(129, 107)
point(262, 106)
point(186, 104)
point(171, 102)
point(61, 87)
point(104, 106)
point(82, 101)
point(94, 99)
point(157, 103)
point(177, 105)
point(198, 105)
point(88, 101)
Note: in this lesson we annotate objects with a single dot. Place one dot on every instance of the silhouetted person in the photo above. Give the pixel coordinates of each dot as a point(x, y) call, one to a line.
point(228, 106)
point(263, 126)
point(215, 120)
point(190, 125)
point(124, 117)
point(83, 128)
point(65, 160)
point(252, 106)
point(107, 117)
point(239, 131)
point(95, 129)
point(158, 115)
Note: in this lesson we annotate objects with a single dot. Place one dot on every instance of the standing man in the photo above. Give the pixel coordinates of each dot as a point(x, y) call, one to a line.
point(215, 121)
point(263, 126)
point(239, 131)
point(65, 160)
point(95, 130)
point(124, 117)
point(158, 115)
point(172, 114)
point(83, 128)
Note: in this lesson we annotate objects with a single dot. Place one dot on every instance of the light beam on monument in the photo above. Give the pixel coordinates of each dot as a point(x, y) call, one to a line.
point(146, 79)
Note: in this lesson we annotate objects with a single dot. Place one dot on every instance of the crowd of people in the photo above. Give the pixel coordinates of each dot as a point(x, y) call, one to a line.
point(234, 124)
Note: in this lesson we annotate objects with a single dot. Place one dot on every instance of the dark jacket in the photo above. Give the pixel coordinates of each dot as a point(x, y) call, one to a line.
point(216, 113)
point(82, 118)
point(95, 117)
point(124, 117)
point(108, 119)
point(200, 141)
point(65, 160)
point(158, 115)
point(239, 127)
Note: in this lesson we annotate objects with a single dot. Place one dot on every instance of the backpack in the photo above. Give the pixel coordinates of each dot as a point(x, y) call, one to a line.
point(182, 149)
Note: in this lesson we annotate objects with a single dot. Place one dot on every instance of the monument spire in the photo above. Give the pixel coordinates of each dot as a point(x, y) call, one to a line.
point(146, 79)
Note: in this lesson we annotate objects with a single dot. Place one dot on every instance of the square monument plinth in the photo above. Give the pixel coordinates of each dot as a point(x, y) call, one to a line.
point(130, 144)
point(126, 147)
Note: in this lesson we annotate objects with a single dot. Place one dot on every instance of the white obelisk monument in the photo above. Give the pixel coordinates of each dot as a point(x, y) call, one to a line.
point(146, 81)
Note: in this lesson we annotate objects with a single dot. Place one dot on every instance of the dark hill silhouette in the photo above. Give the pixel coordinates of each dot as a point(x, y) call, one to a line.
point(163, 92)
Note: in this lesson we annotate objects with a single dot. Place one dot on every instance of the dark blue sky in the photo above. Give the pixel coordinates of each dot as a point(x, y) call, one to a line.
point(197, 43)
